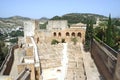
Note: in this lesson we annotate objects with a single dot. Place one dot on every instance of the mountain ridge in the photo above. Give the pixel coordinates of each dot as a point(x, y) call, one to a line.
point(71, 17)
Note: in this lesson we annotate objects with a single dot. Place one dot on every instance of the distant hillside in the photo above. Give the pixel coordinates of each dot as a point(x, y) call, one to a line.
point(43, 20)
point(78, 17)
point(12, 21)
point(19, 17)
point(17, 21)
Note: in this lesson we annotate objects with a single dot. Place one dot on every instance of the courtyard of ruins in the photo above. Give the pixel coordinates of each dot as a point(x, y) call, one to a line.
point(37, 59)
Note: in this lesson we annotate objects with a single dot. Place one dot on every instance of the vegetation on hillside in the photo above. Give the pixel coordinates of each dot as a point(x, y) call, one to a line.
point(16, 33)
point(12, 21)
point(3, 36)
point(78, 17)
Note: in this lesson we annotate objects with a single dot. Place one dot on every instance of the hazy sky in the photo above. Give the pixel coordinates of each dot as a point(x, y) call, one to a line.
point(50, 8)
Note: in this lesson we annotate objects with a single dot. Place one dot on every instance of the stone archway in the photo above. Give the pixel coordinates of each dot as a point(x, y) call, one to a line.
point(79, 34)
point(73, 34)
point(67, 34)
point(59, 34)
point(54, 34)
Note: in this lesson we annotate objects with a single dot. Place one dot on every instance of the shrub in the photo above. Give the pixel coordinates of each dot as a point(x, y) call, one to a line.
point(54, 42)
point(74, 40)
point(63, 40)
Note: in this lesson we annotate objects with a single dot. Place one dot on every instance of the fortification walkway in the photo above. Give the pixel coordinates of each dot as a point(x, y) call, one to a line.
point(18, 53)
point(89, 65)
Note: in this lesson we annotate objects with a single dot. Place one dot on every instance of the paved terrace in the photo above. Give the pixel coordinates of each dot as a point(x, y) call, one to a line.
point(67, 62)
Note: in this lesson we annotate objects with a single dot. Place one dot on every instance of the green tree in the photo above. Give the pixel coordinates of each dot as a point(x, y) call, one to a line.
point(88, 34)
point(74, 40)
point(100, 30)
point(3, 51)
point(54, 41)
point(56, 18)
point(43, 26)
point(109, 33)
point(16, 33)
point(63, 40)
point(15, 40)
point(103, 27)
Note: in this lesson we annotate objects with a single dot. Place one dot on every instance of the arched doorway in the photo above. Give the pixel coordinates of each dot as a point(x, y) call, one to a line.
point(79, 34)
point(73, 34)
point(59, 34)
point(67, 34)
point(54, 34)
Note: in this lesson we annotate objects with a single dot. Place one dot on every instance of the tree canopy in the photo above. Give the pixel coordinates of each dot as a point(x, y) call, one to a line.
point(109, 33)
point(3, 51)
point(88, 34)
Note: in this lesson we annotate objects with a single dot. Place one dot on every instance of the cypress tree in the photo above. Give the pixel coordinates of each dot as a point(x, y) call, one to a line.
point(88, 34)
point(109, 33)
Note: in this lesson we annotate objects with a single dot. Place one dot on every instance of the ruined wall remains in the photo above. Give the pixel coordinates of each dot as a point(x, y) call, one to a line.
point(57, 24)
point(29, 27)
point(67, 34)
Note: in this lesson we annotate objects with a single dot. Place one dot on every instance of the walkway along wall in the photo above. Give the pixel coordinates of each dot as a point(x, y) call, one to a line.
point(7, 63)
point(105, 59)
point(117, 71)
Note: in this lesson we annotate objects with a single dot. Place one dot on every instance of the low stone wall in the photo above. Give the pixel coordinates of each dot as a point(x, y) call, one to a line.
point(105, 59)
point(24, 75)
point(22, 67)
point(7, 64)
point(117, 71)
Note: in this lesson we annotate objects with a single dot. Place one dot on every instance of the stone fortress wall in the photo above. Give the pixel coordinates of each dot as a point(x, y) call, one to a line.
point(29, 29)
point(57, 25)
point(106, 59)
